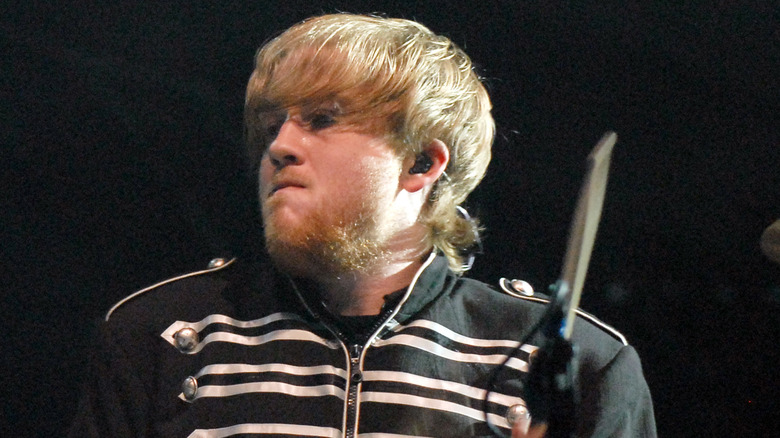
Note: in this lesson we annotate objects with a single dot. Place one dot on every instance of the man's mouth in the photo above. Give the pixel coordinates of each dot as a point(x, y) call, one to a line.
point(283, 185)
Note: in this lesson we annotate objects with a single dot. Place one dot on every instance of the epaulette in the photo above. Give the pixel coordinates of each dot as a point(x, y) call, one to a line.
point(521, 289)
point(213, 266)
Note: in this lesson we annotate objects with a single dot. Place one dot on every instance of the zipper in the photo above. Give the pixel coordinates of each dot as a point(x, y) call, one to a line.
point(355, 377)
point(354, 352)
point(356, 372)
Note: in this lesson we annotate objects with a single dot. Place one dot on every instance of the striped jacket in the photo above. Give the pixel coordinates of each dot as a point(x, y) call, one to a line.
point(236, 350)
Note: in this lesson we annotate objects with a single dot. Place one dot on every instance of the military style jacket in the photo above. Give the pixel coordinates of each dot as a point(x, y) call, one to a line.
point(240, 350)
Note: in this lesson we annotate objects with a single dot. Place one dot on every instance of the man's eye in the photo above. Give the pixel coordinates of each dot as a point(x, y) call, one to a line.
point(270, 127)
point(321, 121)
point(272, 130)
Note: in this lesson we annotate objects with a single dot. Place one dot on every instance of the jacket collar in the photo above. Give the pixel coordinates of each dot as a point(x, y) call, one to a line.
point(433, 279)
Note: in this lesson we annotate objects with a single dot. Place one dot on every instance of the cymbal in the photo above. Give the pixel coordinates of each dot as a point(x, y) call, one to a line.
point(770, 242)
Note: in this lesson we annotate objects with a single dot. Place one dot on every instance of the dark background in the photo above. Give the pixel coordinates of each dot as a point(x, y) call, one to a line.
point(122, 165)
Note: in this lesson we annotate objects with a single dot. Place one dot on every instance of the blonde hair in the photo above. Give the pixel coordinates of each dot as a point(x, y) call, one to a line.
point(391, 76)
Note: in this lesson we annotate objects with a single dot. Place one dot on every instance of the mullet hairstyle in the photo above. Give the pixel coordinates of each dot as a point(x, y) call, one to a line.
point(390, 76)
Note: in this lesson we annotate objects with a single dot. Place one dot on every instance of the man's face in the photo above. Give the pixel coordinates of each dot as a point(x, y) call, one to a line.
point(327, 193)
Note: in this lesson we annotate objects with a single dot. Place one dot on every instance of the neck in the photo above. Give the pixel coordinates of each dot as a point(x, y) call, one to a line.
point(363, 293)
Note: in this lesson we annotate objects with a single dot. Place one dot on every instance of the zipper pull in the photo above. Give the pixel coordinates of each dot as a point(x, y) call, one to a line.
point(354, 353)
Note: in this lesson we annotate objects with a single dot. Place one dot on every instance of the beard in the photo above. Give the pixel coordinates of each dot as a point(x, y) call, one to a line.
point(334, 241)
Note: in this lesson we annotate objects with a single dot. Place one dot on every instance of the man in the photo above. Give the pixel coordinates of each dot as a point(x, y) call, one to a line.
point(368, 133)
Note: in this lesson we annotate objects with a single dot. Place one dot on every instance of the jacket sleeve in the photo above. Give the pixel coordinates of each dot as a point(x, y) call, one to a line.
point(616, 400)
point(113, 401)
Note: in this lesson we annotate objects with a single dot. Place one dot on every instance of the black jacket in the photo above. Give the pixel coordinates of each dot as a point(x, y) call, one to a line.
point(238, 350)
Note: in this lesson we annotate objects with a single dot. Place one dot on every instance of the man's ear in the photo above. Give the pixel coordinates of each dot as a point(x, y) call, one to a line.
point(425, 168)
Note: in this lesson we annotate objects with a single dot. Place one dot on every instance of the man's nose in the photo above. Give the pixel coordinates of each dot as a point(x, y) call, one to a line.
point(285, 149)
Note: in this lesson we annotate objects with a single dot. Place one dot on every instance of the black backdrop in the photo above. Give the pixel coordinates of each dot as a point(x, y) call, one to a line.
point(123, 165)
